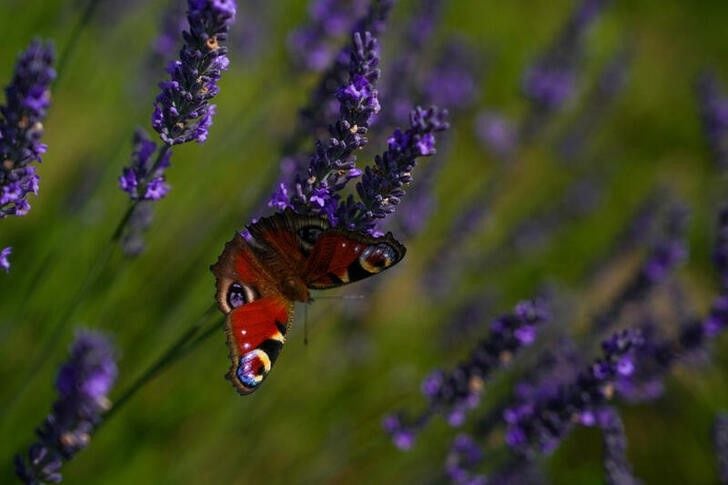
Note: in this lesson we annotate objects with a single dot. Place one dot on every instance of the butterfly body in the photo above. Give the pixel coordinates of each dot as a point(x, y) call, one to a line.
point(259, 277)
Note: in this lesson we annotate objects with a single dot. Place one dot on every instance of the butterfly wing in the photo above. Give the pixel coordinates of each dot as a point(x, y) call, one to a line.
point(258, 316)
point(340, 257)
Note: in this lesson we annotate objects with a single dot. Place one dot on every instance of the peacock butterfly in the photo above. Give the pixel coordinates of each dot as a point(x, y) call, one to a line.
point(281, 258)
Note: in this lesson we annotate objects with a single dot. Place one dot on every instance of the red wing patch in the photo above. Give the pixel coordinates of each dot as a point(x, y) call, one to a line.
point(341, 257)
point(256, 334)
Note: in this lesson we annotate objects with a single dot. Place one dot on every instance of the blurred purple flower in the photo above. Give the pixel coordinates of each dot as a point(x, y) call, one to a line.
point(713, 105)
point(182, 112)
point(720, 251)
point(720, 441)
point(83, 384)
point(617, 469)
point(455, 393)
point(551, 81)
point(312, 46)
point(610, 82)
point(4, 258)
point(27, 99)
point(464, 455)
point(537, 426)
point(497, 133)
point(402, 437)
point(451, 83)
point(666, 254)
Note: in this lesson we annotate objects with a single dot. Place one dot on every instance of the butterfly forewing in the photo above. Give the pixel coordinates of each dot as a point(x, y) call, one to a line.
point(341, 257)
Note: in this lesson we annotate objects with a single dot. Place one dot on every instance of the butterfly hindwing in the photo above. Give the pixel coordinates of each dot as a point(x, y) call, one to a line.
point(340, 257)
point(255, 336)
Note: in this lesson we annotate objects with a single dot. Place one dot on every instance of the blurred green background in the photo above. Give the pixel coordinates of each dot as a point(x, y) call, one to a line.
point(318, 418)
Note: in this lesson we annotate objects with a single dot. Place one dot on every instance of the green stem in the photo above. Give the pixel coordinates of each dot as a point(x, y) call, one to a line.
point(75, 36)
point(119, 231)
point(186, 342)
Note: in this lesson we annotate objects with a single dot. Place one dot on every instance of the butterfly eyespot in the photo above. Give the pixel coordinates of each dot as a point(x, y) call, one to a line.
point(253, 368)
point(377, 258)
point(309, 235)
point(239, 295)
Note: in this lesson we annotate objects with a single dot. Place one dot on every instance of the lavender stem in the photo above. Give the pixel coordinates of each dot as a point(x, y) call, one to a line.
point(75, 36)
point(186, 342)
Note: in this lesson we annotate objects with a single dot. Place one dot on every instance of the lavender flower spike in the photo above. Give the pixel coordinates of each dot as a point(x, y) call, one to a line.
point(457, 392)
point(333, 163)
point(4, 261)
point(182, 112)
point(382, 186)
point(21, 127)
point(538, 426)
point(83, 384)
point(144, 180)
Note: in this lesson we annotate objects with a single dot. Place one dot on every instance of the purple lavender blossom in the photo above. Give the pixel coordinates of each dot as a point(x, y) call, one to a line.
point(27, 99)
point(144, 179)
point(713, 104)
point(83, 384)
point(455, 393)
point(720, 440)
point(464, 455)
point(182, 112)
point(382, 186)
point(311, 46)
point(617, 469)
point(402, 88)
point(538, 426)
point(4, 258)
point(402, 435)
point(322, 109)
point(333, 163)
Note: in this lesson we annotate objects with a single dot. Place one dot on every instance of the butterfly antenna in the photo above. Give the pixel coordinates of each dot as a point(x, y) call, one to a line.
point(305, 325)
point(340, 297)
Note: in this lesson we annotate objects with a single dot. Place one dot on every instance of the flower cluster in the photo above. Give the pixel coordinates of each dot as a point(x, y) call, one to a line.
point(333, 164)
point(382, 186)
point(83, 384)
point(144, 178)
point(538, 426)
point(713, 104)
point(322, 109)
point(21, 127)
point(551, 81)
point(457, 392)
point(463, 456)
point(617, 469)
point(182, 112)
